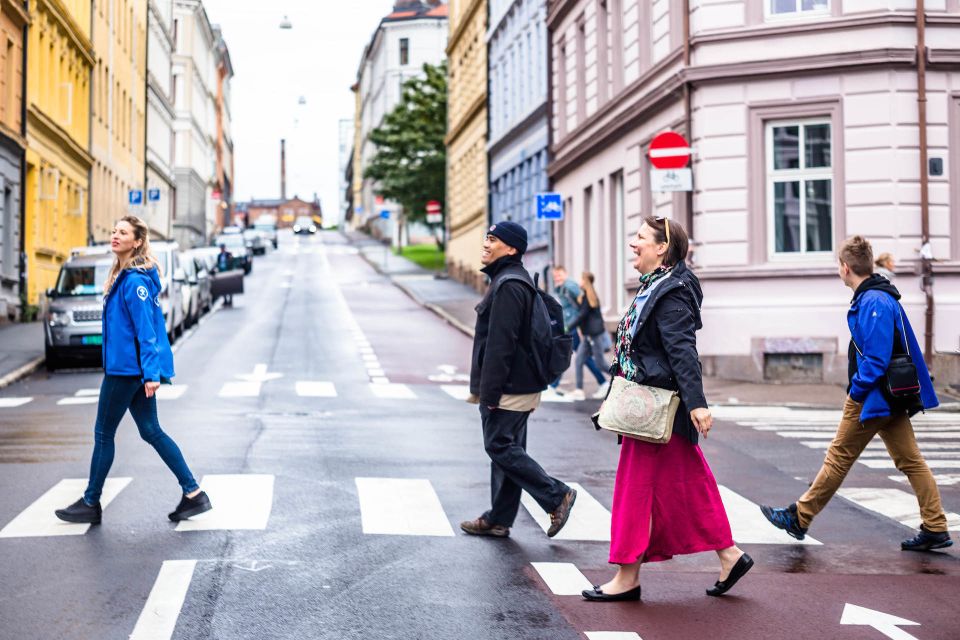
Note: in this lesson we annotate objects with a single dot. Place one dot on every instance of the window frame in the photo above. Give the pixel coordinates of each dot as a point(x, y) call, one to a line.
point(798, 14)
point(802, 174)
point(404, 52)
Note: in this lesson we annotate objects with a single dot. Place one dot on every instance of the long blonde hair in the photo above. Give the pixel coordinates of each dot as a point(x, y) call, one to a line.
point(587, 280)
point(141, 258)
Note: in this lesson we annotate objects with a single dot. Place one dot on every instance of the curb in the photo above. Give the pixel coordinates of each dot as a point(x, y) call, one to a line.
point(22, 372)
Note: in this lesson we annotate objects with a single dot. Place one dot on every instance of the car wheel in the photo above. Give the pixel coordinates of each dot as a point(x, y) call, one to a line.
point(51, 361)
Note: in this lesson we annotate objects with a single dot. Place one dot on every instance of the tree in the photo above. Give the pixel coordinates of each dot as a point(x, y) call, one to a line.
point(410, 161)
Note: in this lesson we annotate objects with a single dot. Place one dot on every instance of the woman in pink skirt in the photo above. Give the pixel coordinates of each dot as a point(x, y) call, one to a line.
point(665, 500)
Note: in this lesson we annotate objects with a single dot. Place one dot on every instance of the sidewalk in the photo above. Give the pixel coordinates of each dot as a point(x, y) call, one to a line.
point(21, 351)
point(455, 303)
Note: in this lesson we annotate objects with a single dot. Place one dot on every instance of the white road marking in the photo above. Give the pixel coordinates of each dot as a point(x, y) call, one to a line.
point(456, 391)
point(555, 397)
point(38, 519)
point(884, 623)
point(171, 391)
point(6, 403)
point(380, 380)
point(888, 464)
point(369, 357)
point(878, 446)
point(748, 524)
point(893, 503)
point(316, 389)
point(366, 349)
point(240, 501)
point(376, 373)
point(612, 635)
point(78, 400)
point(87, 392)
point(799, 426)
point(822, 435)
point(588, 520)
point(562, 578)
point(159, 616)
point(240, 389)
point(942, 479)
point(392, 391)
point(401, 506)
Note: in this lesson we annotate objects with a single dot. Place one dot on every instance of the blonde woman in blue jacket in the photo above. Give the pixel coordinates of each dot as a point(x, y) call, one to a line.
point(136, 359)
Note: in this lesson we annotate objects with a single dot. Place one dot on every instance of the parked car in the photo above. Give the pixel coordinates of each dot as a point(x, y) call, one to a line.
point(204, 265)
point(304, 224)
point(172, 279)
point(190, 291)
point(230, 230)
point(254, 241)
point(267, 225)
point(73, 311)
point(242, 257)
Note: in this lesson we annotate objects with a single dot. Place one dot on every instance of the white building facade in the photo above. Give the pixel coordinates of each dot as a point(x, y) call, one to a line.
point(160, 116)
point(195, 125)
point(804, 120)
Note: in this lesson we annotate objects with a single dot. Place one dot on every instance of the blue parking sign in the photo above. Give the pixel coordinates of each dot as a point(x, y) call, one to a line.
point(385, 214)
point(153, 195)
point(135, 196)
point(549, 206)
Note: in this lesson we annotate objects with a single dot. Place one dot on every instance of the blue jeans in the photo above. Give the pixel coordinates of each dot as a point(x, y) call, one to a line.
point(117, 394)
point(590, 362)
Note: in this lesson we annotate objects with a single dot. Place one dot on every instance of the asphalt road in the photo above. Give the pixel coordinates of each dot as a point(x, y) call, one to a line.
point(324, 414)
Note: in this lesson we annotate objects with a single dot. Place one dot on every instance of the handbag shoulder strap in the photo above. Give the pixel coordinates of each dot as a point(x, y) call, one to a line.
point(903, 333)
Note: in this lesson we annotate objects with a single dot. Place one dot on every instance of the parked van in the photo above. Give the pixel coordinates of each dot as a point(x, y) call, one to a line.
point(172, 279)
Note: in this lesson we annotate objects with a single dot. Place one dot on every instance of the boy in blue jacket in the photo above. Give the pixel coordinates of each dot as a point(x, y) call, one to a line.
point(877, 323)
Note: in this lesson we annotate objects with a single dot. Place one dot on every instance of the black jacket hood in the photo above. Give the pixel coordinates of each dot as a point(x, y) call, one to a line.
point(692, 284)
point(877, 282)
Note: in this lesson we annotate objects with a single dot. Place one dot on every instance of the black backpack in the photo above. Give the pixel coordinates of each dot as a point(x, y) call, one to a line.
point(550, 346)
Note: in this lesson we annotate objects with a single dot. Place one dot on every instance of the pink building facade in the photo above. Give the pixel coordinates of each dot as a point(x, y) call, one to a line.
point(803, 116)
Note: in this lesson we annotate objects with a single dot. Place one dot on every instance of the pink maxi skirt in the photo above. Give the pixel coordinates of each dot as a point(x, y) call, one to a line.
point(665, 503)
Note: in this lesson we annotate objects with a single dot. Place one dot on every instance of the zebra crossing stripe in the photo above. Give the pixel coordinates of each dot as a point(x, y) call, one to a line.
point(562, 578)
point(392, 391)
point(8, 403)
point(823, 435)
point(612, 635)
point(588, 520)
point(888, 463)
point(38, 519)
point(456, 391)
point(316, 389)
point(240, 389)
point(942, 479)
point(748, 524)
point(240, 501)
point(171, 391)
point(78, 400)
point(880, 447)
point(893, 503)
point(401, 507)
point(162, 609)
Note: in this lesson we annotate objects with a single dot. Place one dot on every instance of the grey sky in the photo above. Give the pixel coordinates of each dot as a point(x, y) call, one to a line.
point(317, 59)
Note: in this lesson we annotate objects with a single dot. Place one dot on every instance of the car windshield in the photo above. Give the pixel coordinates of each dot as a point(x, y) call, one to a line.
point(87, 280)
point(304, 221)
point(264, 226)
point(233, 241)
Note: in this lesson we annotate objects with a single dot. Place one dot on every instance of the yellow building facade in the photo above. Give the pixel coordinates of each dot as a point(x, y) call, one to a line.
point(118, 119)
point(59, 63)
point(466, 139)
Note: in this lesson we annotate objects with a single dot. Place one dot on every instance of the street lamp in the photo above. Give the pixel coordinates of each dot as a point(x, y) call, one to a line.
point(285, 23)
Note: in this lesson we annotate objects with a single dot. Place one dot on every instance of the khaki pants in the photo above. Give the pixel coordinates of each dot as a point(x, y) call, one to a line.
point(851, 439)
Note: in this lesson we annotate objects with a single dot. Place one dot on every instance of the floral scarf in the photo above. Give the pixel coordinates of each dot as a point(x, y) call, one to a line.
point(625, 333)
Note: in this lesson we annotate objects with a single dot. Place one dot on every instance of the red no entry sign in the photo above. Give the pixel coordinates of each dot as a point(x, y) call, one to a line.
point(669, 151)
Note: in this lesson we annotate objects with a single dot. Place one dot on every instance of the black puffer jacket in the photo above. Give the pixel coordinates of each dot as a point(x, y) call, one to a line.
point(589, 319)
point(501, 359)
point(665, 346)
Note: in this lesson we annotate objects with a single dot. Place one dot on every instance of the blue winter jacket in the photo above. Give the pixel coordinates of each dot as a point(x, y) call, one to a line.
point(134, 332)
point(874, 312)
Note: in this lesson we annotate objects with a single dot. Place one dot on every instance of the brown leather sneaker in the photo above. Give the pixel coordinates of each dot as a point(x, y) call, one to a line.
point(559, 517)
point(480, 527)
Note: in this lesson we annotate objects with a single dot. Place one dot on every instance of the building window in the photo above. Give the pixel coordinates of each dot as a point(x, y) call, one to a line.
point(404, 51)
point(800, 186)
point(792, 8)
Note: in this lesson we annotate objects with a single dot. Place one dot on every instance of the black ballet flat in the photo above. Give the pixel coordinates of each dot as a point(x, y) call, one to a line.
point(597, 595)
point(739, 570)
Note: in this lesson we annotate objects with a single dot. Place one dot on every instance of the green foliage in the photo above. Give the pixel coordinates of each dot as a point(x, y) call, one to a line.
point(428, 256)
point(410, 162)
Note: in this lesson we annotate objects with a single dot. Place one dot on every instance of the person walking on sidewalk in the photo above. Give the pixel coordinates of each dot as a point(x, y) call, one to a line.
point(136, 359)
point(589, 322)
point(568, 293)
point(878, 329)
point(503, 382)
point(665, 499)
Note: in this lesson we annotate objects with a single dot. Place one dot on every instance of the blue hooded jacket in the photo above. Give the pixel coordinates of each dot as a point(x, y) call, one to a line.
point(874, 313)
point(134, 332)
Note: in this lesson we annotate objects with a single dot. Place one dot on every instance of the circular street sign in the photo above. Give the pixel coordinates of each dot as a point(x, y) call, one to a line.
point(669, 150)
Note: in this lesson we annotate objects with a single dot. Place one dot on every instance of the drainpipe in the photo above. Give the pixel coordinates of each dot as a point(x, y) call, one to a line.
point(687, 110)
point(551, 242)
point(24, 297)
point(926, 256)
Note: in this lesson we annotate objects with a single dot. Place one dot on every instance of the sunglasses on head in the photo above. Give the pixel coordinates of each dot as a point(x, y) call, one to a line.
point(666, 224)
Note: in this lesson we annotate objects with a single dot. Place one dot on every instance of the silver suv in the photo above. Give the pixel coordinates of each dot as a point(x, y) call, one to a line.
point(71, 321)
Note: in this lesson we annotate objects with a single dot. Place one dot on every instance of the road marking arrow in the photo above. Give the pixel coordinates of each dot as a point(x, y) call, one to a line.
point(259, 374)
point(882, 622)
point(253, 567)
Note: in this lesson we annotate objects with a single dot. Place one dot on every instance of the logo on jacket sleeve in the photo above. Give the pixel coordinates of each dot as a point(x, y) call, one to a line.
point(142, 293)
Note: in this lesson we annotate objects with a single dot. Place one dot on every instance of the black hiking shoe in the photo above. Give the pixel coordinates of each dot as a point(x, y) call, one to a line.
point(927, 541)
point(190, 507)
point(785, 519)
point(80, 512)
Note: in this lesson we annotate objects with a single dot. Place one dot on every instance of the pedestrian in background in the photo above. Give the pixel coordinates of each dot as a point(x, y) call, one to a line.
point(879, 329)
point(886, 266)
point(136, 359)
point(224, 264)
point(589, 322)
point(665, 499)
point(504, 383)
point(568, 293)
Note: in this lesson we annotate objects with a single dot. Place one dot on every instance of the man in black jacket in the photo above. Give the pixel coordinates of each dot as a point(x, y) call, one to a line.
point(504, 383)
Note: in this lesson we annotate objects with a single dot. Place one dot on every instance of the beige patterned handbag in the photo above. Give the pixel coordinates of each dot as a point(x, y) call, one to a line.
point(638, 411)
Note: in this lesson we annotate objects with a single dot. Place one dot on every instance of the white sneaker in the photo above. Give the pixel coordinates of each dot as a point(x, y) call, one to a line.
point(577, 394)
point(601, 393)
